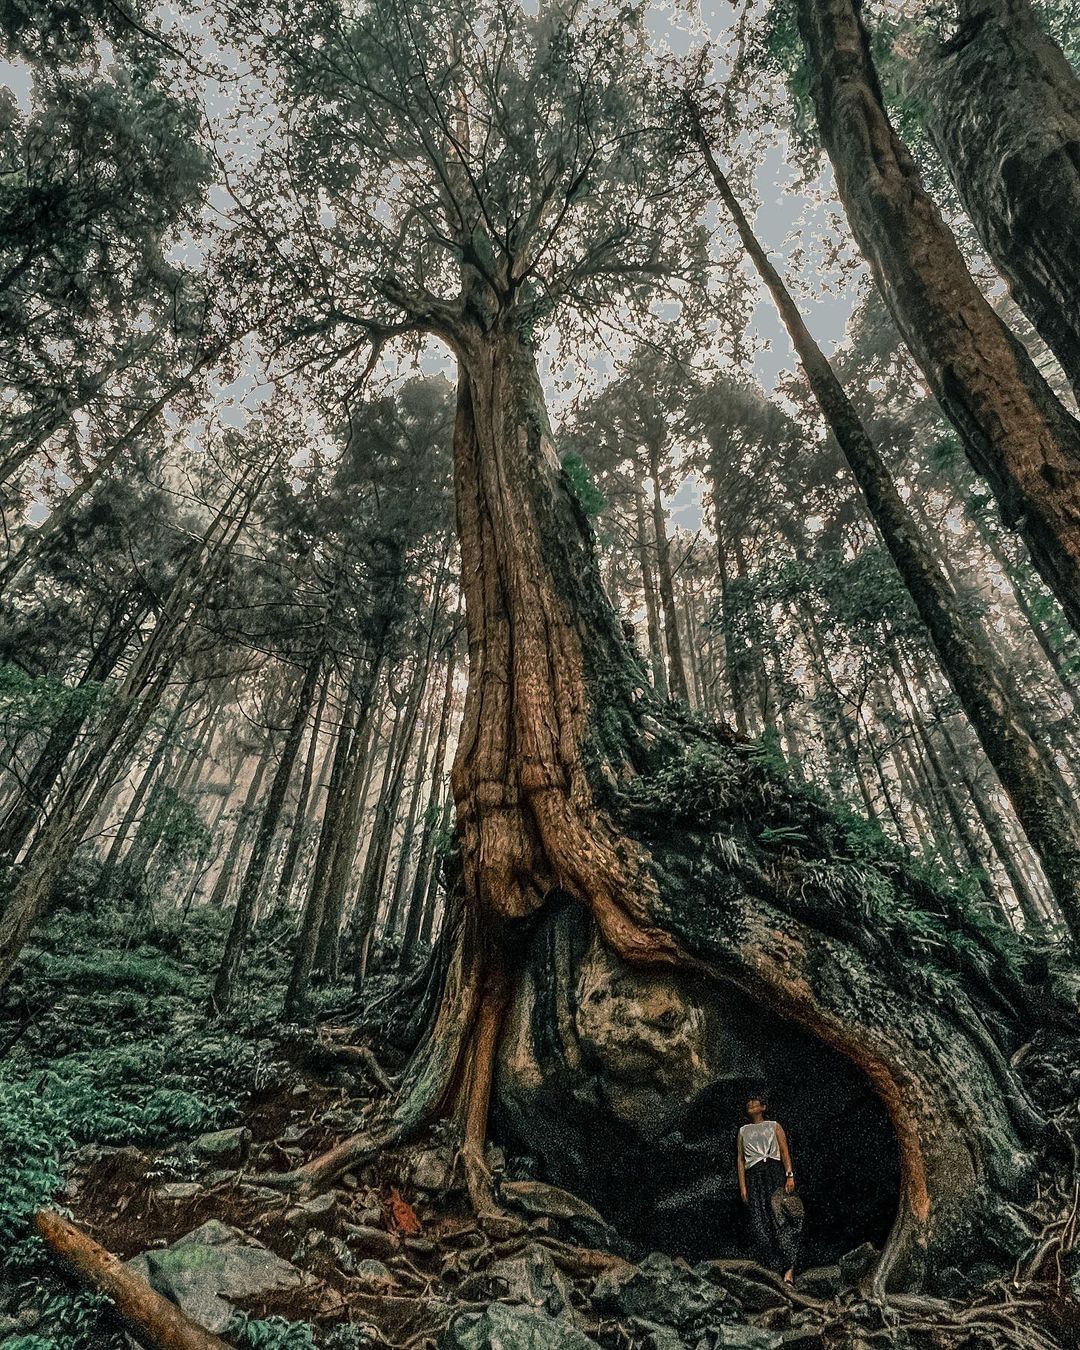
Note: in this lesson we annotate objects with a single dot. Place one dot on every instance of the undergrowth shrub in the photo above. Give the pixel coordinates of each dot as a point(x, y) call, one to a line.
point(32, 1138)
point(270, 1333)
point(105, 1039)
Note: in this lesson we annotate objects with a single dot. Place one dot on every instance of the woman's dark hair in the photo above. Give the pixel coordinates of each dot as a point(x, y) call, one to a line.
point(757, 1097)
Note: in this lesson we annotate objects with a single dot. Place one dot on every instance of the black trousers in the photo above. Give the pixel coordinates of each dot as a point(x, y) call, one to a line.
point(776, 1218)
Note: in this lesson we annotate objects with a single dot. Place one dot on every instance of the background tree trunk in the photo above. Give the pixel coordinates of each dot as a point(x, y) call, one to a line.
point(1016, 433)
point(676, 666)
point(283, 889)
point(983, 686)
point(1005, 118)
point(378, 855)
point(648, 587)
point(247, 901)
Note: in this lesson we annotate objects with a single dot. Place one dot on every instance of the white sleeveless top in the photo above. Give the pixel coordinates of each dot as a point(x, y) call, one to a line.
point(759, 1142)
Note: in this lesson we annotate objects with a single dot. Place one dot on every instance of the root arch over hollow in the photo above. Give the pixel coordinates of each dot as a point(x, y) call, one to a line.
point(689, 851)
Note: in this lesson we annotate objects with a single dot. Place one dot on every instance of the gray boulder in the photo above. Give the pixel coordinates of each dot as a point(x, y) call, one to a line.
point(752, 1296)
point(572, 1216)
point(224, 1146)
point(536, 1197)
point(318, 1212)
point(372, 1241)
point(433, 1170)
point(663, 1292)
point(804, 1338)
point(662, 1338)
point(376, 1276)
point(820, 1282)
point(532, 1278)
point(504, 1328)
point(264, 1194)
point(856, 1263)
point(178, 1190)
point(733, 1337)
point(204, 1271)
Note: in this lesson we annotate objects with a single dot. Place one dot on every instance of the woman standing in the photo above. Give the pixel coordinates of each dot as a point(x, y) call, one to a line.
point(767, 1185)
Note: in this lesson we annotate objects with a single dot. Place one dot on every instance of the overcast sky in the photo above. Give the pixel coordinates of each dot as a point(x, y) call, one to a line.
point(785, 218)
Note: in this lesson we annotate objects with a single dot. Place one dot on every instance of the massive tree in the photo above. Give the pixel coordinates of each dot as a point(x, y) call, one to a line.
point(1005, 117)
point(476, 174)
point(1016, 433)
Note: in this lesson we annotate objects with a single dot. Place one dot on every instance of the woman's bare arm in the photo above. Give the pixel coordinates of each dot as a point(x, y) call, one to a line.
point(741, 1166)
point(785, 1154)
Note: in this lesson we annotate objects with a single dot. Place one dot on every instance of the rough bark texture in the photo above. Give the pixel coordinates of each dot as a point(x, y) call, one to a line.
point(1005, 117)
point(607, 1071)
point(1016, 434)
point(575, 787)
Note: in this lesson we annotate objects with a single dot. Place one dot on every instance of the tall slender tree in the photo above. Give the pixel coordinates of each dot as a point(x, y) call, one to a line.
point(1005, 117)
point(1017, 434)
point(1027, 772)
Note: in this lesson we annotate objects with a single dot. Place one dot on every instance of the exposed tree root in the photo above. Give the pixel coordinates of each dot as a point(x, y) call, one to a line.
point(323, 1171)
point(477, 1096)
point(452, 1073)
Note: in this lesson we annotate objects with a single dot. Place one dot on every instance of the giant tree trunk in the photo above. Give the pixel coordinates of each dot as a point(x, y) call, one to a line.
point(1005, 117)
point(1016, 434)
point(574, 785)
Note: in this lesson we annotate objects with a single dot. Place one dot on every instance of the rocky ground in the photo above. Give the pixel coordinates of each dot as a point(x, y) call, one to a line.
point(392, 1256)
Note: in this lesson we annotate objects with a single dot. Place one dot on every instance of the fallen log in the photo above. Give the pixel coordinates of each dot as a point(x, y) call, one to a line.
point(155, 1323)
